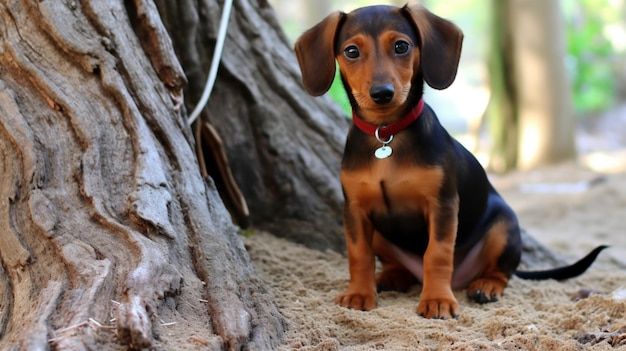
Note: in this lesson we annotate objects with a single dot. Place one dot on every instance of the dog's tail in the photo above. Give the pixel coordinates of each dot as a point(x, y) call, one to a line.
point(563, 273)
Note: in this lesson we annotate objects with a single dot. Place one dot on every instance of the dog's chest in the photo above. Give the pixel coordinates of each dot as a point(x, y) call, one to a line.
point(383, 187)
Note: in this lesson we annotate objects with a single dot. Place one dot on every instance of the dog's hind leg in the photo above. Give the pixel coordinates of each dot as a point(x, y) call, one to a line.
point(500, 255)
point(396, 263)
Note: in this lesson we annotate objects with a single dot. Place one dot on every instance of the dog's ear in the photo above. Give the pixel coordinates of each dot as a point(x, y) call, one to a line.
point(441, 42)
point(315, 50)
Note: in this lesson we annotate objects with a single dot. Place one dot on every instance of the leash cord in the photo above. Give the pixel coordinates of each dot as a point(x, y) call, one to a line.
point(217, 54)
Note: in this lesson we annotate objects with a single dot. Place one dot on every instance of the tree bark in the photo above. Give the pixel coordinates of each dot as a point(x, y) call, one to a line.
point(103, 211)
point(284, 146)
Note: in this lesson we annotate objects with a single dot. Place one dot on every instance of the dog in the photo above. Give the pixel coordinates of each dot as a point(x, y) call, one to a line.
point(414, 196)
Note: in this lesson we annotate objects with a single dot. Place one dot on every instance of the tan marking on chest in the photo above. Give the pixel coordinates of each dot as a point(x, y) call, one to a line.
point(403, 188)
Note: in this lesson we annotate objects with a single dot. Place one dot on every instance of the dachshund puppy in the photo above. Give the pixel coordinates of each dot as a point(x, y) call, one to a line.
point(414, 196)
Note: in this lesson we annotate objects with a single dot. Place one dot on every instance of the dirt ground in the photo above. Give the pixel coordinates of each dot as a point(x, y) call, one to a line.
point(568, 208)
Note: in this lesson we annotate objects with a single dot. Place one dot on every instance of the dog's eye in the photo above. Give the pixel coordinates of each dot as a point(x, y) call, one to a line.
point(401, 47)
point(351, 52)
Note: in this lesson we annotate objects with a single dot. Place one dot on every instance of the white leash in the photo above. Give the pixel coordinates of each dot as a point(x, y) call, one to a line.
point(217, 54)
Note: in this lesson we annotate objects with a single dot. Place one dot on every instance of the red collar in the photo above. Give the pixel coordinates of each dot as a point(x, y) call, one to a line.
point(386, 131)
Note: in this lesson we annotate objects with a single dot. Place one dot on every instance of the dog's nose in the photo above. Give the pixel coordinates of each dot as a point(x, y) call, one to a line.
point(382, 94)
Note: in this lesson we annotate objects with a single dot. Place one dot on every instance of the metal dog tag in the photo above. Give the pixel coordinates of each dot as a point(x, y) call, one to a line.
point(383, 152)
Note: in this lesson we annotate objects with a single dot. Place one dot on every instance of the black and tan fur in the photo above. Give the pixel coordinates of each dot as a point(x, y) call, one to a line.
point(428, 211)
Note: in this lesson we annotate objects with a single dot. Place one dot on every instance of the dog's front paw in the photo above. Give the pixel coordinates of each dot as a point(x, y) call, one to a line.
point(363, 301)
point(438, 308)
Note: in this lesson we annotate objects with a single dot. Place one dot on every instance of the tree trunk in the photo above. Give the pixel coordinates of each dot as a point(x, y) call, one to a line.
point(530, 112)
point(103, 212)
point(284, 146)
point(502, 110)
point(544, 96)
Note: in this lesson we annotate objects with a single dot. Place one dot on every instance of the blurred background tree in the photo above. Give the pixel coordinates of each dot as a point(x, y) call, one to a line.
point(532, 72)
point(531, 113)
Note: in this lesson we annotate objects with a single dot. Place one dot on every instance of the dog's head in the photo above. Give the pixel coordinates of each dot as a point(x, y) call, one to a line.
point(385, 53)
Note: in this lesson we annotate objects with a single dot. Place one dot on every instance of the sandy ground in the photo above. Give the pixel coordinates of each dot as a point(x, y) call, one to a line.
point(568, 208)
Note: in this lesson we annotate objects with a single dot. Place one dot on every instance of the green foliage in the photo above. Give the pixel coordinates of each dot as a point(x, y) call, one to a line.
point(590, 54)
point(248, 233)
point(338, 93)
